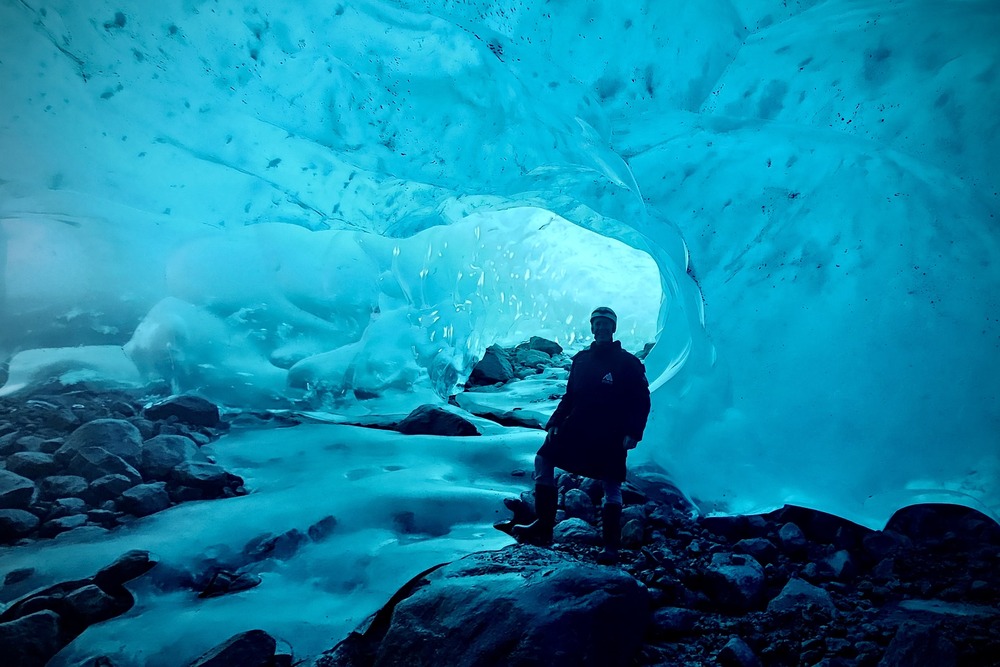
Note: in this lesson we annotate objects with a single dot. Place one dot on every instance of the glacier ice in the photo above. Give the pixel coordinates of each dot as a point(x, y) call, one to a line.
point(816, 183)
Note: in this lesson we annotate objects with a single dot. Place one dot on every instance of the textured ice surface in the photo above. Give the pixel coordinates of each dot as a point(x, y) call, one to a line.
point(816, 182)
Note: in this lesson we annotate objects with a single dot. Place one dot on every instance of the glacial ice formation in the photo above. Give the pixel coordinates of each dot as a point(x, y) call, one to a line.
point(221, 189)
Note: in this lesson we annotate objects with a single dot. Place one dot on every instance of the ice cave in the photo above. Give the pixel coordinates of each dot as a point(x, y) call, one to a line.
point(335, 208)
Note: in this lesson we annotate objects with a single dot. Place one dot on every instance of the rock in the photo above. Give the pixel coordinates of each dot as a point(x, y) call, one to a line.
point(207, 477)
point(734, 581)
point(531, 358)
point(576, 531)
point(280, 547)
point(93, 462)
point(798, 593)
point(62, 486)
point(254, 648)
point(672, 622)
point(89, 604)
point(115, 436)
point(918, 645)
point(62, 524)
point(145, 499)
point(32, 465)
point(793, 540)
point(126, 567)
point(15, 524)
point(161, 453)
point(16, 491)
point(736, 653)
point(633, 534)
point(549, 347)
point(761, 548)
point(517, 606)
point(109, 487)
point(578, 505)
point(435, 420)
point(32, 639)
point(67, 506)
point(322, 529)
point(224, 583)
point(839, 565)
point(188, 409)
point(493, 368)
point(882, 543)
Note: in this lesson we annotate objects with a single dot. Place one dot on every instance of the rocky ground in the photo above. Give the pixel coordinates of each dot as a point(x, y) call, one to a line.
point(794, 587)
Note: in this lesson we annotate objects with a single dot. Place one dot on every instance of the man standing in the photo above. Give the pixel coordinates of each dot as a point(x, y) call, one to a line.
point(602, 416)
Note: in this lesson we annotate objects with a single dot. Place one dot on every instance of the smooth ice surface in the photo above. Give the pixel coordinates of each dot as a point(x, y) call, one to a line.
point(816, 183)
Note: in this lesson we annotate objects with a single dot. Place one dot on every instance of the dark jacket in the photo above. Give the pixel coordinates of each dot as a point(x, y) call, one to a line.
point(607, 398)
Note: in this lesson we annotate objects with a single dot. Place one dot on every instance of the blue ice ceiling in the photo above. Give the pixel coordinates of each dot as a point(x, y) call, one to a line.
point(797, 200)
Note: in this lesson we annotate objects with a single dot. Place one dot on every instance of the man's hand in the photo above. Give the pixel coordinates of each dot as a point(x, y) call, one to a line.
point(630, 442)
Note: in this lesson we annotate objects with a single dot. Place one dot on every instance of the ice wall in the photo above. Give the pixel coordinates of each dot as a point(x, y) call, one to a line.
point(828, 168)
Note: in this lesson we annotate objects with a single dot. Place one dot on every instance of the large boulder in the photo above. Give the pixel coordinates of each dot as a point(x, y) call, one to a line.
point(515, 607)
point(495, 367)
point(15, 491)
point(798, 593)
point(735, 581)
point(15, 524)
point(254, 648)
point(162, 453)
point(145, 499)
point(32, 465)
point(191, 410)
point(209, 478)
point(115, 436)
point(31, 639)
point(434, 420)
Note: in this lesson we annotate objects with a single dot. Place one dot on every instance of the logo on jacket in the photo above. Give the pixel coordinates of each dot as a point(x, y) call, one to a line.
point(607, 379)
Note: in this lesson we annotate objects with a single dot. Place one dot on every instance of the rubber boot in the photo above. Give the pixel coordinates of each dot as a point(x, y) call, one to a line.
point(611, 530)
point(539, 531)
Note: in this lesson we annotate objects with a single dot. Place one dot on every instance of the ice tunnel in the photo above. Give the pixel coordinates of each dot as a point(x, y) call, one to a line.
point(796, 201)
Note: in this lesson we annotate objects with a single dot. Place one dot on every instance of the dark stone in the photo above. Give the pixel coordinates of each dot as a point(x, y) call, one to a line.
point(434, 420)
point(917, 645)
point(62, 486)
point(93, 462)
point(67, 506)
point(90, 604)
point(32, 465)
point(280, 547)
point(322, 529)
point(161, 453)
point(32, 639)
point(224, 583)
point(188, 409)
point(127, 567)
point(15, 524)
point(254, 648)
point(208, 477)
point(495, 367)
point(16, 491)
point(798, 593)
point(736, 653)
point(549, 347)
point(761, 548)
point(672, 622)
point(518, 606)
point(109, 487)
point(115, 436)
point(62, 524)
point(793, 540)
point(734, 581)
point(145, 499)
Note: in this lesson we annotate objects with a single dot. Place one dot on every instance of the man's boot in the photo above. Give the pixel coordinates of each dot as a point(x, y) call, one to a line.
point(539, 532)
point(611, 530)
